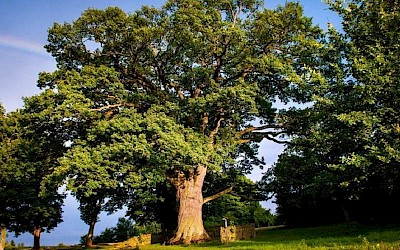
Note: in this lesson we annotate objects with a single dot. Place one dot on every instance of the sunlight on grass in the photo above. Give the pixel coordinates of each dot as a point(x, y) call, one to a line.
point(342, 236)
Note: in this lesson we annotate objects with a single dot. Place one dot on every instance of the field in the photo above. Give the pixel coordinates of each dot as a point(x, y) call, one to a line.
point(343, 236)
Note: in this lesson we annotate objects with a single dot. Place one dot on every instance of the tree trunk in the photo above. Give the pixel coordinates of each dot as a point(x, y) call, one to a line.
point(3, 232)
point(345, 213)
point(89, 237)
point(189, 195)
point(36, 237)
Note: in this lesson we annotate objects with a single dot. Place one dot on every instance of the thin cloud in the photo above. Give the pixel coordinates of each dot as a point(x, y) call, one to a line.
point(23, 46)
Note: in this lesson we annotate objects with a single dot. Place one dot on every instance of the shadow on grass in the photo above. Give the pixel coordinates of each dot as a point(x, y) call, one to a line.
point(324, 236)
point(342, 236)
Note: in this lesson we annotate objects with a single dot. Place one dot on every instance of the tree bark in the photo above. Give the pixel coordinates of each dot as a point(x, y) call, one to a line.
point(36, 237)
point(189, 195)
point(3, 232)
point(89, 237)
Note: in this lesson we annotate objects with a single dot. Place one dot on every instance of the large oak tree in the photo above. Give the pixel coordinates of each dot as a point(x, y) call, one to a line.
point(177, 92)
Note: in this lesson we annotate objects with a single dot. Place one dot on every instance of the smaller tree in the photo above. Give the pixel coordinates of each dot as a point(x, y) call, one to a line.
point(30, 153)
point(4, 173)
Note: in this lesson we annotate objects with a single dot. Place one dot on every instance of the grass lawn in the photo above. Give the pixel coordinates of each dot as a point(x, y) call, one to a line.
point(342, 236)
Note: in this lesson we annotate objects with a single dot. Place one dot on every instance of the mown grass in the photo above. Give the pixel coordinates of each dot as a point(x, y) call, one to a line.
point(343, 236)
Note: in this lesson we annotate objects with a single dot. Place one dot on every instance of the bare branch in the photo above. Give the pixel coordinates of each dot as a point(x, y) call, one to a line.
point(259, 139)
point(197, 92)
point(276, 140)
point(217, 195)
point(180, 94)
point(256, 134)
point(113, 106)
point(236, 15)
point(243, 141)
point(113, 97)
point(214, 133)
point(251, 129)
point(232, 12)
point(259, 198)
point(205, 121)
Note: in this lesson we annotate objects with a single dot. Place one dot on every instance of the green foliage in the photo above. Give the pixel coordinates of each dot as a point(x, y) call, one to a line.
point(344, 161)
point(237, 211)
point(139, 97)
point(28, 151)
point(240, 207)
point(332, 237)
point(124, 230)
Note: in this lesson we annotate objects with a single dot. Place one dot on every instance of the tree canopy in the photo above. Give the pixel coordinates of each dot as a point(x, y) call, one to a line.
point(28, 154)
point(346, 159)
point(167, 106)
point(174, 93)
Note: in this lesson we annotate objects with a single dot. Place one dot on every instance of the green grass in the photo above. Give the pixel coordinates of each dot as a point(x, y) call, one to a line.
point(342, 236)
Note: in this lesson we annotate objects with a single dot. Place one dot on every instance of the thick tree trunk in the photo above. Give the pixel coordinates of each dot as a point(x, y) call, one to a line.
point(190, 227)
point(36, 237)
point(3, 238)
point(89, 237)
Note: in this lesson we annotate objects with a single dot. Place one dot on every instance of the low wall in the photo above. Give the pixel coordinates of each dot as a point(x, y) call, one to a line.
point(233, 233)
point(135, 242)
point(226, 234)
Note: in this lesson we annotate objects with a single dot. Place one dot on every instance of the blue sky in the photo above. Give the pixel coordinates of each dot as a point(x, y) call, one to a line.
point(23, 33)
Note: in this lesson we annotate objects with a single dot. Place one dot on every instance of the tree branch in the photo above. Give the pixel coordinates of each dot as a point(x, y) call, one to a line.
point(257, 135)
point(277, 141)
point(250, 129)
point(205, 122)
point(180, 94)
point(220, 60)
point(257, 198)
point(214, 133)
point(197, 92)
point(217, 195)
point(241, 74)
point(113, 106)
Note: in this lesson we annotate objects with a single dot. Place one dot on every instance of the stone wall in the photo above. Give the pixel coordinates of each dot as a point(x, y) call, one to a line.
point(226, 234)
point(233, 233)
point(135, 242)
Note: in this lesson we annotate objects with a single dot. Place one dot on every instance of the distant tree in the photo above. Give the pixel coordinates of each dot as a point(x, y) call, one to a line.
point(262, 216)
point(237, 206)
point(124, 230)
point(5, 140)
point(237, 211)
point(28, 153)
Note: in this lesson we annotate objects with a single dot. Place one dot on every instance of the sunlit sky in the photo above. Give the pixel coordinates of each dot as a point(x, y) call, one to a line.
point(23, 33)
